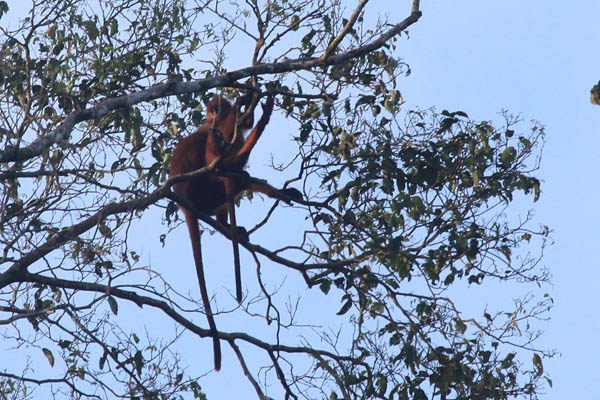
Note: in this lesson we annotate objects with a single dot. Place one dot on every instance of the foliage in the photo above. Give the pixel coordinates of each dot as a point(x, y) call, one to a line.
point(404, 210)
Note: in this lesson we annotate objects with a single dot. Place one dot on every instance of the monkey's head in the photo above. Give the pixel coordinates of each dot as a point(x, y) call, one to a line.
point(222, 116)
point(218, 109)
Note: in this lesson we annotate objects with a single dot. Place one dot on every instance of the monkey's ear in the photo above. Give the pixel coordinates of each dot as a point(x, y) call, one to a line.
point(213, 109)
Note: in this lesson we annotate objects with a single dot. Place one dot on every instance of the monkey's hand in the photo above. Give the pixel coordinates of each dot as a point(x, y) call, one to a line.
point(244, 174)
point(267, 110)
point(241, 232)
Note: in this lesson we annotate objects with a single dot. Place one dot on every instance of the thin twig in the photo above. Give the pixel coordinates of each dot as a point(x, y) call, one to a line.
point(247, 372)
point(336, 41)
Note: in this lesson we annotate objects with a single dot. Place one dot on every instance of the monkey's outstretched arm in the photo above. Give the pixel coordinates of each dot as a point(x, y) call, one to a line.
point(240, 158)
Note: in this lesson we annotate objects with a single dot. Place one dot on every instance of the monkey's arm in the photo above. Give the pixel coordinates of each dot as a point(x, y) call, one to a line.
point(240, 158)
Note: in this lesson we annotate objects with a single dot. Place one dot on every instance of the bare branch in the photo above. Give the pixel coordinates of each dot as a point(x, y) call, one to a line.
point(70, 233)
point(142, 300)
point(247, 372)
point(415, 6)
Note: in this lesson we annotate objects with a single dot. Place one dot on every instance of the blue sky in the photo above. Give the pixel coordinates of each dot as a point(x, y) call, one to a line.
point(539, 59)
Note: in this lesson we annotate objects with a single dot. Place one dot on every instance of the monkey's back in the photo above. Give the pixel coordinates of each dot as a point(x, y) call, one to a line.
point(206, 192)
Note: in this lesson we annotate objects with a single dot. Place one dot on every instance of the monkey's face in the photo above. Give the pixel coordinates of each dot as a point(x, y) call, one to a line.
point(218, 109)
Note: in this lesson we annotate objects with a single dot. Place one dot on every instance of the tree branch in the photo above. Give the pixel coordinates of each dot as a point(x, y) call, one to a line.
point(141, 300)
point(70, 233)
point(336, 41)
point(247, 372)
point(63, 131)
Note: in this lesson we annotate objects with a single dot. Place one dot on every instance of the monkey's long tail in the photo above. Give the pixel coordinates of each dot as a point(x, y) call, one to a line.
point(194, 229)
point(236, 252)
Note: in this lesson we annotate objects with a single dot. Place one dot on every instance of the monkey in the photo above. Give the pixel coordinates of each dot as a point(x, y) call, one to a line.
point(220, 138)
point(595, 94)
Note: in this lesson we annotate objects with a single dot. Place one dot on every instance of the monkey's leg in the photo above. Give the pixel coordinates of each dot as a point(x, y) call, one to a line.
point(259, 186)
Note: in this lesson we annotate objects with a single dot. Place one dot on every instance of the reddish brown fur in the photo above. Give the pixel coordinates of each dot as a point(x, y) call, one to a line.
point(215, 195)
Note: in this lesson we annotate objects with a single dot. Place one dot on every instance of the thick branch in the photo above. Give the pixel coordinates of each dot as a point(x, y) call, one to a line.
point(63, 131)
point(70, 233)
point(67, 234)
point(303, 268)
point(415, 6)
point(142, 300)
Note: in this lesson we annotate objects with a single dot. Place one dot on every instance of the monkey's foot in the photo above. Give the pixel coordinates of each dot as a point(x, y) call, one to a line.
point(292, 193)
point(242, 233)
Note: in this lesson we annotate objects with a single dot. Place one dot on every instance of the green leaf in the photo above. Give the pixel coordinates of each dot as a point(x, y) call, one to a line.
point(537, 361)
point(345, 307)
point(325, 286)
point(536, 190)
point(138, 362)
point(178, 378)
point(365, 100)
point(114, 307)
point(51, 31)
point(516, 325)
point(105, 230)
point(508, 360)
point(460, 325)
point(381, 384)
point(102, 360)
point(305, 130)
point(508, 156)
point(525, 142)
point(375, 110)
point(295, 21)
point(49, 356)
